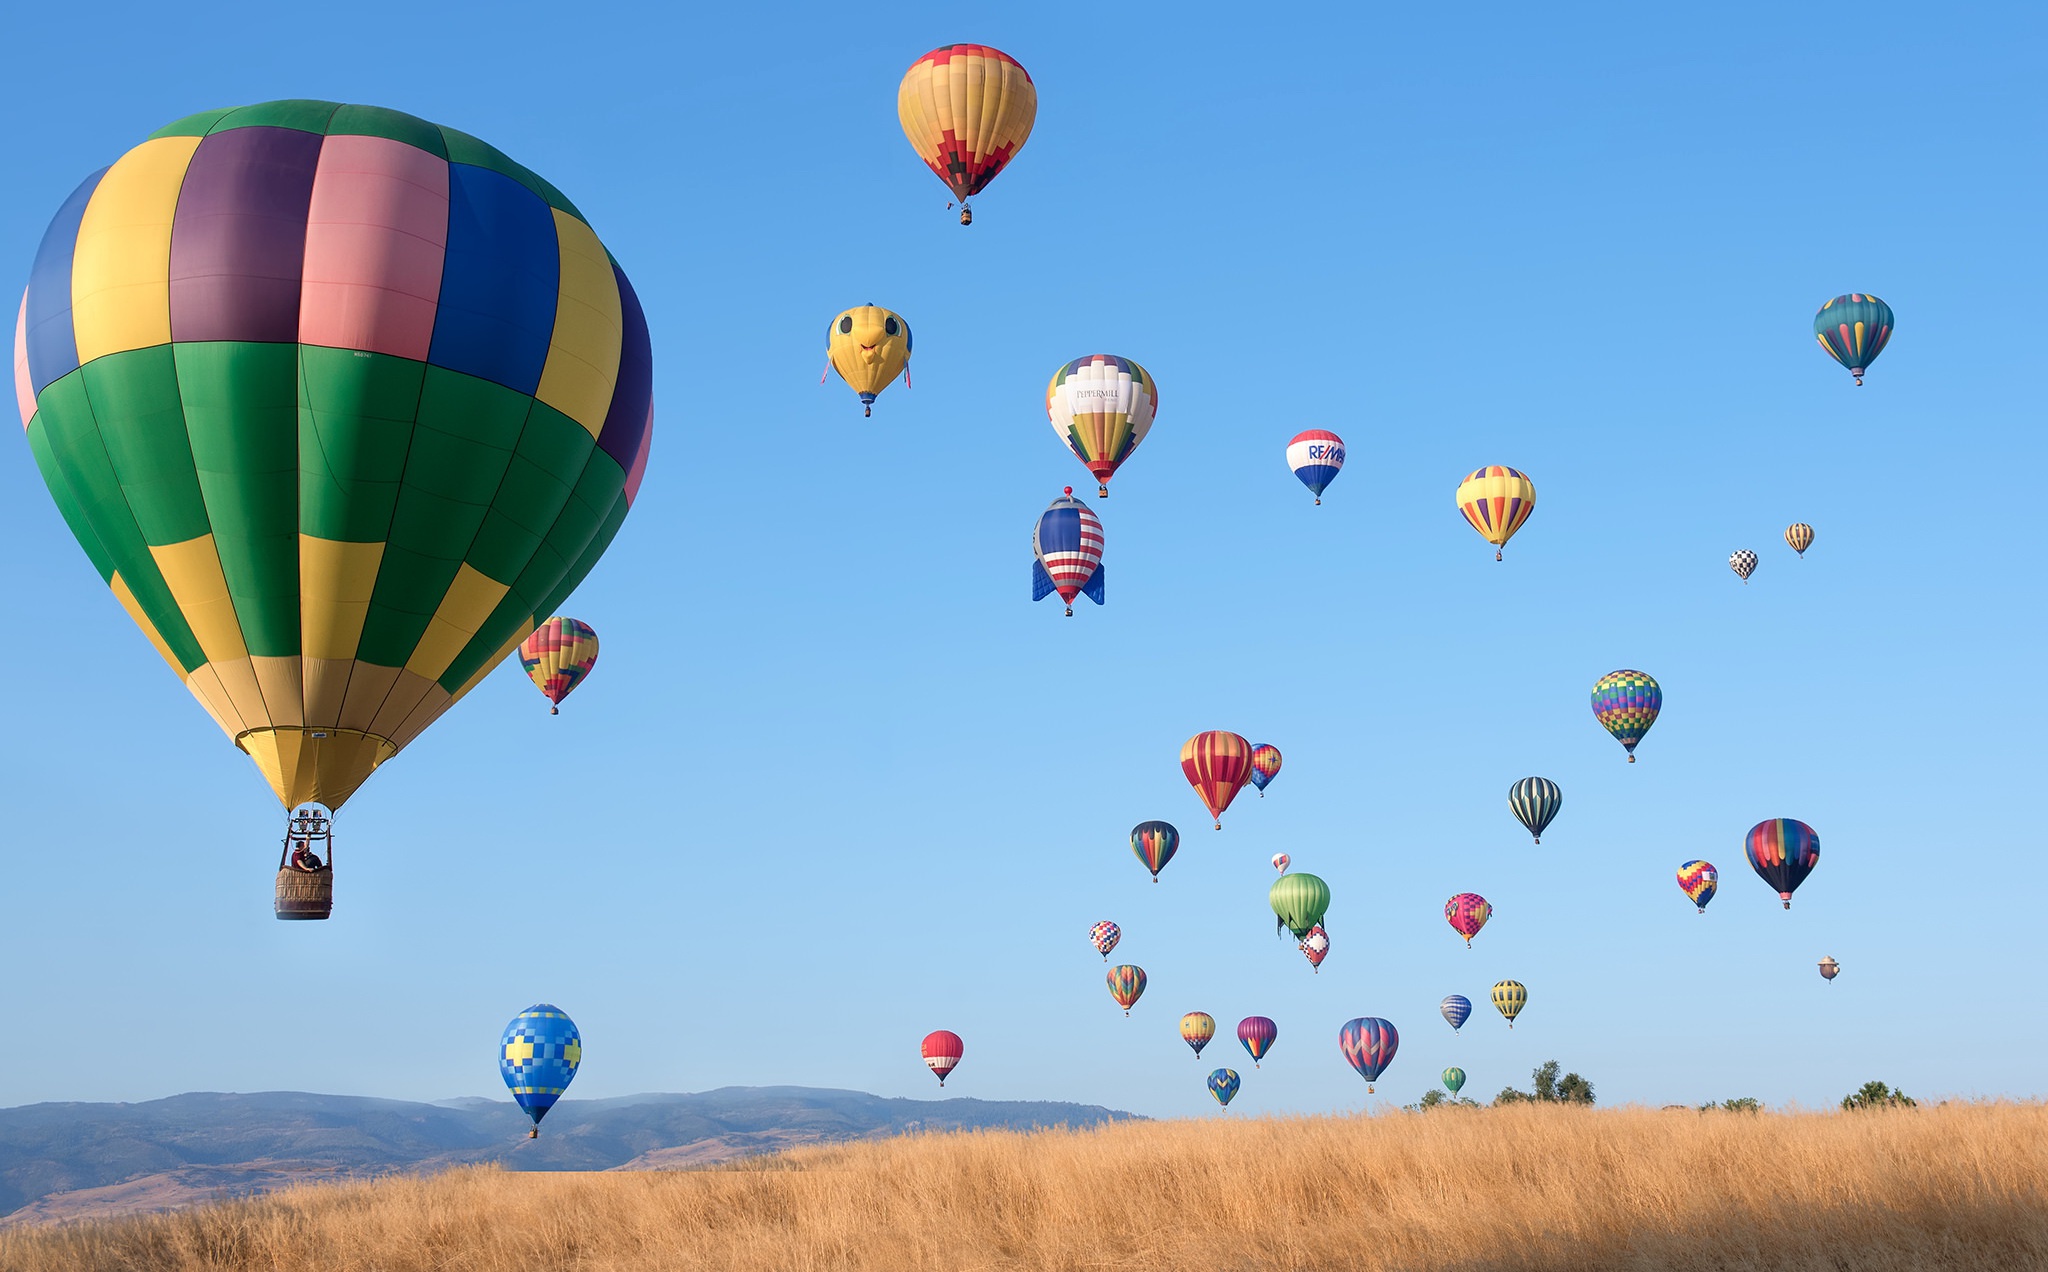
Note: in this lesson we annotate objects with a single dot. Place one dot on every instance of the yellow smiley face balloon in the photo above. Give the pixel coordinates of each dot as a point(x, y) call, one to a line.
point(869, 347)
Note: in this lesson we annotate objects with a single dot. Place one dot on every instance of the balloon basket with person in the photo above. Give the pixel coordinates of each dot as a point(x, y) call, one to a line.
point(305, 869)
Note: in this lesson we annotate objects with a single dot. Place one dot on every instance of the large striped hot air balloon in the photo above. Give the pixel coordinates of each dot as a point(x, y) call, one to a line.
point(1782, 852)
point(1369, 1044)
point(1066, 552)
point(942, 1049)
point(967, 110)
point(341, 404)
point(1316, 457)
point(1854, 329)
point(869, 347)
point(1509, 997)
point(1217, 764)
point(1626, 704)
point(538, 1056)
point(1102, 406)
point(1257, 1034)
point(1799, 537)
point(557, 657)
point(1699, 881)
point(1467, 913)
point(1534, 802)
point(1196, 1029)
point(1496, 501)
point(1126, 984)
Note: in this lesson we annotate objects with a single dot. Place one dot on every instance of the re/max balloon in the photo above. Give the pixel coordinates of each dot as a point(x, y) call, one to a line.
point(1369, 1043)
point(537, 1056)
point(1316, 456)
point(967, 110)
point(557, 657)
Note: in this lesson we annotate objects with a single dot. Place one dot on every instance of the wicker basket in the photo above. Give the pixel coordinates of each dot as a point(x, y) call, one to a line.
point(305, 894)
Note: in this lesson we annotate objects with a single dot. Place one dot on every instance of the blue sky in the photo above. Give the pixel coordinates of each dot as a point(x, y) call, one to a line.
point(836, 782)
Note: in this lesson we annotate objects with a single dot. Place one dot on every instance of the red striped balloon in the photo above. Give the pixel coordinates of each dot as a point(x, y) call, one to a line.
point(1217, 764)
point(942, 1051)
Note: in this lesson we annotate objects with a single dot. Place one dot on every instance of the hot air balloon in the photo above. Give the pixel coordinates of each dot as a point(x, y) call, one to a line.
point(1782, 852)
point(1457, 1009)
point(1316, 457)
point(1102, 406)
point(869, 347)
point(1829, 968)
point(1743, 562)
point(1799, 537)
point(1626, 704)
point(1196, 1029)
point(1066, 550)
point(557, 657)
point(1126, 983)
point(1223, 1084)
point(1369, 1044)
point(1257, 1033)
point(1280, 860)
point(1104, 936)
point(538, 1057)
point(1154, 842)
point(1509, 997)
point(1467, 913)
point(967, 110)
point(1217, 765)
point(340, 404)
point(1496, 501)
point(1265, 765)
point(1854, 329)
point(1698, 880)
point(942, 1050)
point(1316, 946)
point(1454, 1080)
point(1298, 902)
point(1534, 802)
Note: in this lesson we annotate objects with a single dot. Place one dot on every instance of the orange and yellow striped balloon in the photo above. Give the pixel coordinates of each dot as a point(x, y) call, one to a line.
point(1217, 764)
point(1496, 501)
point(967, 110)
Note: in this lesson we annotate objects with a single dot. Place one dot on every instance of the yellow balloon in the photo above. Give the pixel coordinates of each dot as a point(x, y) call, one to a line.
point(1496, 501)
point(869, 346)
point(967, 110)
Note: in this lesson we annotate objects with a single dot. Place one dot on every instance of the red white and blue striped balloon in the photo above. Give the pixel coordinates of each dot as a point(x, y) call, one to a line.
point(1066, 546)
point(1316, 457)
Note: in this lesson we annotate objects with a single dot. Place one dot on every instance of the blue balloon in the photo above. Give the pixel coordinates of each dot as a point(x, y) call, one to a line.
point(538, 1057)
point(1223, 1085)
point(1456, 1008)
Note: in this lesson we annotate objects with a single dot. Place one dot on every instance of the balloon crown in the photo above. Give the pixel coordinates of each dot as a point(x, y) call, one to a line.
point(1069, 490)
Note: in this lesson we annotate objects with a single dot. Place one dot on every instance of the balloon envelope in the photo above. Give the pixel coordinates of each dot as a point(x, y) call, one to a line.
point(869, 347)
point(1280, 861)
point(558, 655)
point(1102, 406)
point(1509, 997)
point(1454, 1080)
point(1457, 1009)
point(340, 404)
point(1154, 843)
point(1196, 1029)
point(1126, 984)
point(1626, 704)
point(537, 1056)
point(942, 1050)
point(1104, 936)
point(1299, 901)
point(1258, 1034)
point(1699, 880)
point(967, 110)
point(1066, 551)
point(1496, 501)
point(1316, 946)
point(1368, 1042)
point(1316, 456)
point(1799, 537)
point(1782, 852)
point(1535, 801)
point(1854, 329)
point(1467, 913)
point(1217, 764)
point(1743, 562)
point(1265, 765)
point(1223, 1084)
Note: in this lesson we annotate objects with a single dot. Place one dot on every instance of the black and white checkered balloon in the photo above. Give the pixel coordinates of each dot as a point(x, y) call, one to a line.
point(1743, 562)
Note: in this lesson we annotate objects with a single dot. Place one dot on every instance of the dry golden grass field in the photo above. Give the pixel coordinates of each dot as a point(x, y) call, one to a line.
point(1962, 1186)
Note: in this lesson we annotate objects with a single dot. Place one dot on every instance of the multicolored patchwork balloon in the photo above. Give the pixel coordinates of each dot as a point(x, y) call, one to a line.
point(942, 1050)
point(1126, 983)
point(1299, 901)
point(869, 347)
point(1223, 1084)
point(1258, 1034)
point(1102, 406)
point(557, 657)
point(1369, 1044)
point(341, 404)
point(1456, 1009)
point(1782, 852)
point(1854, 329)
point(1316, 947)
point(1454, 1080)
point(1316, 456)
point(1196, 1029)
point(1467, 913)
point(967, 110)
point(1280, 860)
point(537, 1057)
point(1104, 936)
point(1217, 764)
point(1626, 704)
point(1535, 801)
point(1509, 997)
point(1265, 765)
point(1497, 501)
point(1698, 880)
point(1799, 537)
point(1743, 562)
point(1066, 550)
point(1154, 843)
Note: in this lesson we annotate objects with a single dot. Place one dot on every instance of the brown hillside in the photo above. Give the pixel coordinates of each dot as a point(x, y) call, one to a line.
point(1962, 1186)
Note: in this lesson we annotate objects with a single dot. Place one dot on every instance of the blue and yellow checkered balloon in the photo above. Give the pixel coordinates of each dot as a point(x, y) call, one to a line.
point(538, 1057)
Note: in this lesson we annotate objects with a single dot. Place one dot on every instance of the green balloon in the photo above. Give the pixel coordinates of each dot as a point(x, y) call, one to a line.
point(1454, 1078)
point(1299, 901)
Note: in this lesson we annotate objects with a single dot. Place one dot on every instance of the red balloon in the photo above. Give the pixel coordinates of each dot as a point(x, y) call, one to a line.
point(942, 1051)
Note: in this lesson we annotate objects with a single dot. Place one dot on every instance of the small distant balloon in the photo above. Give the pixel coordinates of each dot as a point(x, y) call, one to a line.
point(1454, 1080)
point(1265, 765)
point(1223, 1084)
point(1104, 936)
point(942, 1050)
point(1457, 1009)
point(1698, 880)
point(1280, 861)
point(1497, 501)
point(1854, 329)
point(1369, 1043)
point(1799, 537)
point(1217, 764)
point(1743, 562)
point(1829, 968)
point(537, 1057)
point(1535, 801)
point(1154, 843)
point(1126, 984)
point(1782, 852)
point(1467, 913)
point(1316, 947)
point(1316, 456)
point(1509, 997)
point(557, 657)
point(1196, 1029)
point(1626, 704)
point(1257, 1033)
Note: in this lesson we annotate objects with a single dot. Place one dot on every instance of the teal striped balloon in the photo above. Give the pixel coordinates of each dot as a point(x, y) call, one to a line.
point(1535, 801)
point(1854, 329)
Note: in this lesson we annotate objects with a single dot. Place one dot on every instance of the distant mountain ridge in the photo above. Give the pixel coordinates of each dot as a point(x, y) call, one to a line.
point(60, 1161)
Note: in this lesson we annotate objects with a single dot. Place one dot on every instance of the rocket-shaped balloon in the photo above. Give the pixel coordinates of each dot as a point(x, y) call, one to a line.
point(1066, 549)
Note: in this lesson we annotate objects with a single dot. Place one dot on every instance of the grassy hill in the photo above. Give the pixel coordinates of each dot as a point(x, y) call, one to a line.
point(1960, 1186)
